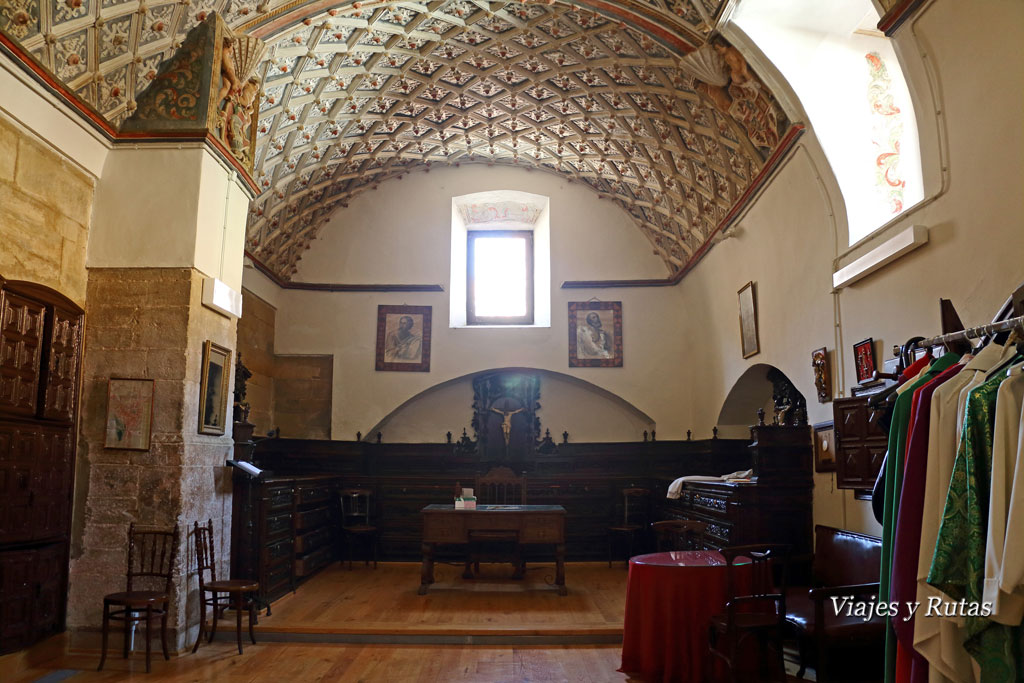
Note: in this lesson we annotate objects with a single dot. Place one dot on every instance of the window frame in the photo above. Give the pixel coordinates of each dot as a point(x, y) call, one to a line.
point(471, 317)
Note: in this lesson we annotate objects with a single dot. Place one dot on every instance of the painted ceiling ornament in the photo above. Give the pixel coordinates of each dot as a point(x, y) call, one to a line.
point(745, 97)
point(208, 84)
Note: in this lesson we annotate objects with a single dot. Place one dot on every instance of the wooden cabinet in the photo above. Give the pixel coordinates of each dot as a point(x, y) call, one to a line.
point(776, 509)
point(284, 530)
point(40, 357)
point(860, 443)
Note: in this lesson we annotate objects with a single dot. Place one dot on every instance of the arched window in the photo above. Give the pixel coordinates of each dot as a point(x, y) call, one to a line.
point(850, 83)
point(501, 260)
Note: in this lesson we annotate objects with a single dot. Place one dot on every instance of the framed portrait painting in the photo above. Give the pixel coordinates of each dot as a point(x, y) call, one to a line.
point(214, 389)
point(129, 413)
point(864, 359)
point(749, 341)
point(403, 338)
point(595, 334)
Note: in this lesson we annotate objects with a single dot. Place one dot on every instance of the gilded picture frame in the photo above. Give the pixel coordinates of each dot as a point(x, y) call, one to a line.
point(214, 388)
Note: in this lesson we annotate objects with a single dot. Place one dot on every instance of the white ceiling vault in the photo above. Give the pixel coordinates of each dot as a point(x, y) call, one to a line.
point(357, 93)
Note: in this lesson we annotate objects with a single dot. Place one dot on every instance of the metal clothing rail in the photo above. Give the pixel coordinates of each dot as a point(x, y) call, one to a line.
point(970, 333)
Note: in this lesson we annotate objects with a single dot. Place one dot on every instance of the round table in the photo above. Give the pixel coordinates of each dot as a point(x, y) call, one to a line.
point(670, 599)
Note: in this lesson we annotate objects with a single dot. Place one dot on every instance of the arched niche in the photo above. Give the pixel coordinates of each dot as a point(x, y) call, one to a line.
point(585, 410)
point(753, 390)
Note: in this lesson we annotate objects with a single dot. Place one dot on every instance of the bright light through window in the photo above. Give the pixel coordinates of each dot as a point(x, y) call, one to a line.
point(499, 264)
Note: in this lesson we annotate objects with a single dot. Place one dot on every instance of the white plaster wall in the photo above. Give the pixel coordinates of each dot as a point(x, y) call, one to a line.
point(38, 110)
point(682, 343)
point(974, 256)
point(401, 234)
point(566, 405)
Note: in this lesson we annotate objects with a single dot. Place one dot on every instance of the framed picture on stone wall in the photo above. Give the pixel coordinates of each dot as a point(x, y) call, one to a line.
point(129, 413)
point(403, 338)
point(213, 388)
point(595, 334)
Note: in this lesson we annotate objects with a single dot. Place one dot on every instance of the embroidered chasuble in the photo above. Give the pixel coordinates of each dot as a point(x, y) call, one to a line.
point(893, 484)
point(958, 564)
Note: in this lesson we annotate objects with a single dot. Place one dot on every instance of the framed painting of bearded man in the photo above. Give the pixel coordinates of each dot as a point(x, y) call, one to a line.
point(403, 338)
point(595, 334)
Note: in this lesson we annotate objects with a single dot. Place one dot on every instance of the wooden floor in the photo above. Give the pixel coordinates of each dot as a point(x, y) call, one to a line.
point(385, 602)
point(295, 663)
point(526, 621)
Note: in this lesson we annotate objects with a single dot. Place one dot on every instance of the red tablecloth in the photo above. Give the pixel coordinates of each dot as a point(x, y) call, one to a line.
point(670, 599)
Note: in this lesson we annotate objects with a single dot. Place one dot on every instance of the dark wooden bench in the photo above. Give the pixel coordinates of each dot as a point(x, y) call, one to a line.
point(846, 565)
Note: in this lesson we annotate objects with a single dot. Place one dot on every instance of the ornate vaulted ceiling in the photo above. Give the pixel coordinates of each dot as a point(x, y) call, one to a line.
point(627, 99)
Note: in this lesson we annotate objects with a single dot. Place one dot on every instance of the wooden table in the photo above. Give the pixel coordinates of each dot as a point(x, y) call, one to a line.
point(670, 599)
point(534, 524)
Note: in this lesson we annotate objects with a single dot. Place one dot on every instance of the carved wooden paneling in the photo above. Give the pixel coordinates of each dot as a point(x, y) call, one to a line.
point(65, 349)
point(860, 443)
point(21, 337)
point(40, 358)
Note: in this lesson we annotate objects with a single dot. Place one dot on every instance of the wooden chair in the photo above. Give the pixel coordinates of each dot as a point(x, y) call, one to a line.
point(499, 486)
point(758, 614)
point(151, 555)
point(356, 510)
point(679, 534)
point(237, 592)
point(635, 511)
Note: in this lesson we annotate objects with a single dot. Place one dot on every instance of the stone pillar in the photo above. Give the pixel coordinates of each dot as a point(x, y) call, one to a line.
point(167, 222)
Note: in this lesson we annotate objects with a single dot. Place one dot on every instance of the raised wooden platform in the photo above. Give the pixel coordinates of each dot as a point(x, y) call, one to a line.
point(366, 605)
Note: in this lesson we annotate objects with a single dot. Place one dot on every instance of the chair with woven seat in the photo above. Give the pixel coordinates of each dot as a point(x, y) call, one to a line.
point(635, 511)
point(758, 613)
point(237, 593)
point(679, 534)
point(499, 486)
point(151, 559)
point(356, 511)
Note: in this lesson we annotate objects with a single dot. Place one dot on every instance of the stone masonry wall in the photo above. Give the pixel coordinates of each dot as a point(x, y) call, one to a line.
point(290, 392)
point(146, 323)
point(45, 210)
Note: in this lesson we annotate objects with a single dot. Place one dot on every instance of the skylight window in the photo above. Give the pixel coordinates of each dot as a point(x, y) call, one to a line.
point(499, 277)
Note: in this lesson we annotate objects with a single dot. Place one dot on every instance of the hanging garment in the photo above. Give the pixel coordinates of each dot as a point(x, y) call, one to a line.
point(907, 540)
point(937, 638)
point(893, 483)
point(958, 563)
point(1003, 548)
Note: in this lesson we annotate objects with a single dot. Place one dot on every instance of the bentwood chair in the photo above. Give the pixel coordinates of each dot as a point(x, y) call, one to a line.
point(151, 558)
point(754, 618)
point(499, 486)
point(219, 595)
point(635, 511)
point(679, 534)
point(356, 509)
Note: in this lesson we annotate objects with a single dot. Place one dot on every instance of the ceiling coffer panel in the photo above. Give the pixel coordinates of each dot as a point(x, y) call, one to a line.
point(635, 101)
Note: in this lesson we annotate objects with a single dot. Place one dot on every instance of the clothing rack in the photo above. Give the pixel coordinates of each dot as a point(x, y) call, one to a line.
point(969, 333)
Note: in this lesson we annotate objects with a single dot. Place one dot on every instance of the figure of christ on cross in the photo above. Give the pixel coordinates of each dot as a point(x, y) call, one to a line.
point(506, 422)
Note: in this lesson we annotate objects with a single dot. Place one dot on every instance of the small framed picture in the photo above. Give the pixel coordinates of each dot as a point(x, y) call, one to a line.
point(824, 447)
point(864, 359)
point(403, 338)
point(129, 413)
point(213, 388)
point(595, 334)
point(749, 341)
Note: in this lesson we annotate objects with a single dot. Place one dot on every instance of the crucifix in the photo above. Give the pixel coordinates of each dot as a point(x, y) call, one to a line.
point(506, 422)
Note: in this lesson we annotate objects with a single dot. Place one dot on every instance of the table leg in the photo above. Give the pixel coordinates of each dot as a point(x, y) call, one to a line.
point(560, 568)
point(427, 571)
